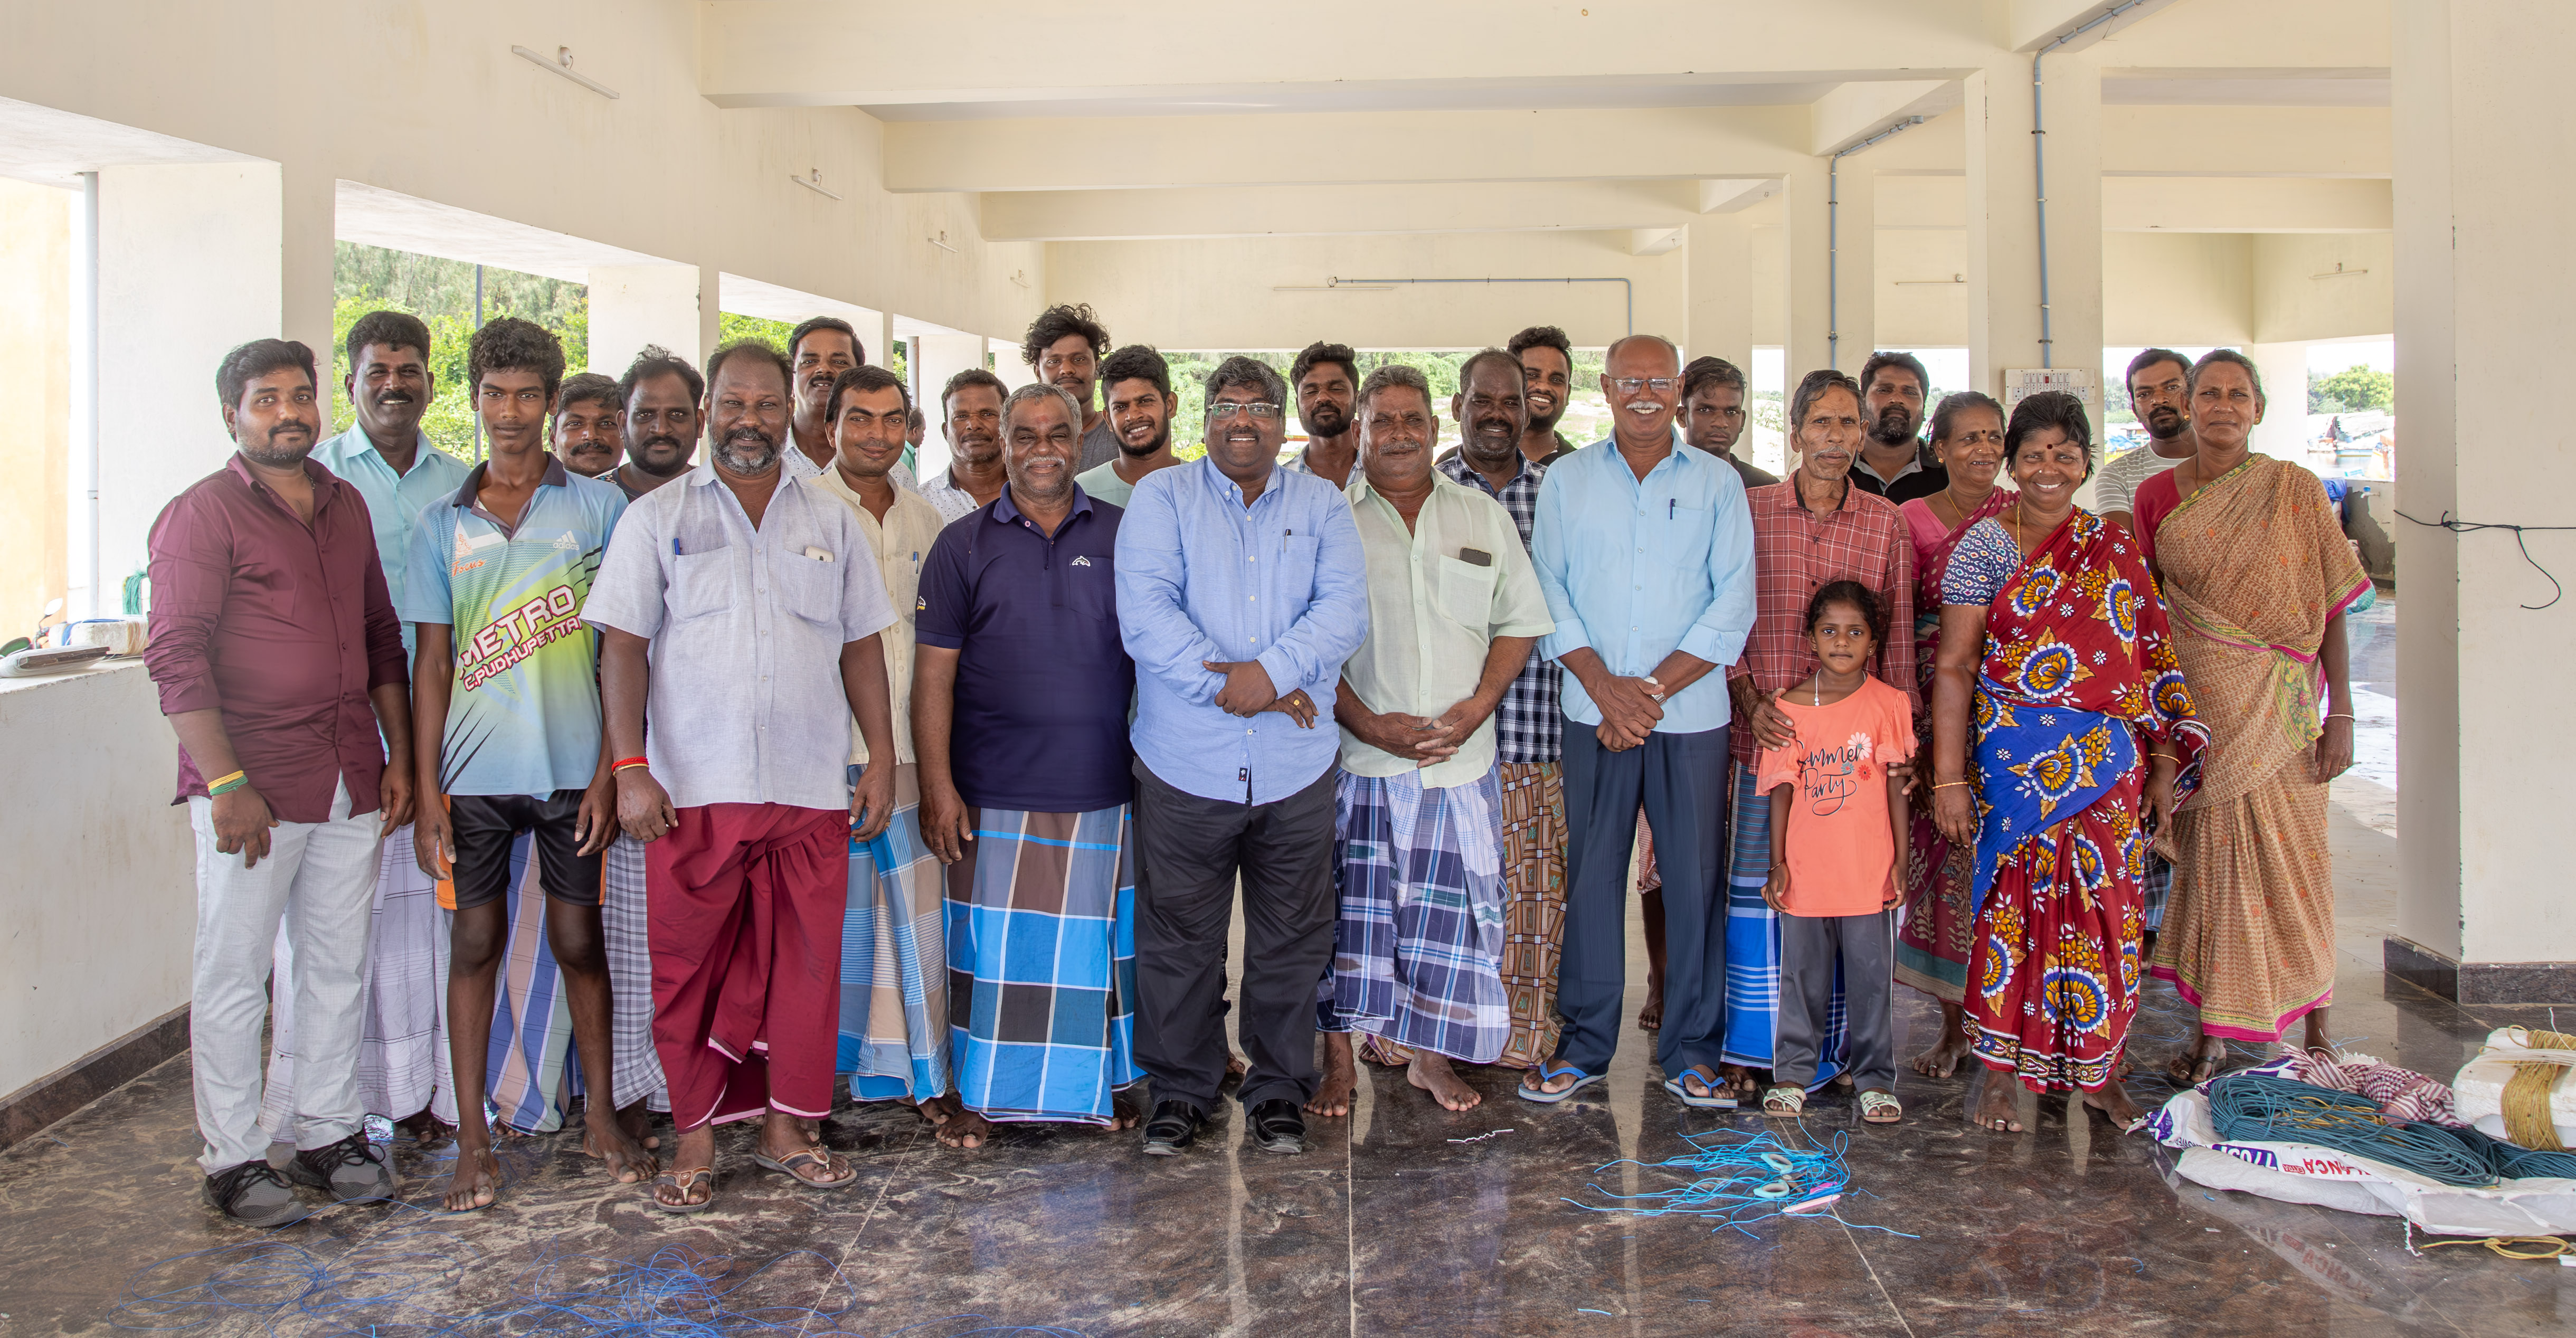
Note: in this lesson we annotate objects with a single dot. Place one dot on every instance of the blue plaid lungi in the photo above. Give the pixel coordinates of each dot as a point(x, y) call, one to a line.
point(894, 960)
point(1042, 964)
point(1753, 949)
point(1418, 945)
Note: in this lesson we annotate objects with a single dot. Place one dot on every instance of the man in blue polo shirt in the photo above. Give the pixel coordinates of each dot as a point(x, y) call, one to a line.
point(1241, 590)
point(1019, 728)
point(508, 678)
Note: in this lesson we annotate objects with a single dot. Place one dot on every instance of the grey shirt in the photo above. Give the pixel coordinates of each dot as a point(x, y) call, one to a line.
point(746, 704)
point(1099, 446)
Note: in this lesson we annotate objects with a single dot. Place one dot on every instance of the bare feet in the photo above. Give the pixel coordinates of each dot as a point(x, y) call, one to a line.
point(638, 1124)
point(2113, 1100)
point(1236, 1066)
point(1995, 1105)
point(1943, 1058)
point(627, 1160)
point(939, 1110)
point(1651, 1017)
point(424, 1129)
point(1332, 1098)
point(477, 1181)
point(1744, 1082)
point(1432, 1074)
point(692, 1181)
point(1126, 1110)
point(2317, 1037)
point(965, 1129)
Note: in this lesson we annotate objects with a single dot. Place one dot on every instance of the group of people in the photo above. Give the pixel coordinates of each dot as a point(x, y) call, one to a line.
point(738, 778)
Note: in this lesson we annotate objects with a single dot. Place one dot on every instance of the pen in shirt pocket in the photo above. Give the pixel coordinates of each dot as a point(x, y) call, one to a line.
point(1669, 504)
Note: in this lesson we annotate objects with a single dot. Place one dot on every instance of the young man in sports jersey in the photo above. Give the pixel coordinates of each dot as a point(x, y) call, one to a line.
point(510, 692)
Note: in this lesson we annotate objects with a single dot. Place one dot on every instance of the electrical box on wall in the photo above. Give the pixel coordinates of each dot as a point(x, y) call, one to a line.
point(2023, 382)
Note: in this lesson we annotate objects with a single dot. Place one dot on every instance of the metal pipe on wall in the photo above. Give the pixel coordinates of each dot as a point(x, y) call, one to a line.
point(85, 391)
point(1833, 238)
point(2039, 162)
point(1337, 281)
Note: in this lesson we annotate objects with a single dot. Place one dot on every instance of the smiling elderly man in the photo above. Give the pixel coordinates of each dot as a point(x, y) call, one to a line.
point(1454, 611)
point(1643, 549)
point(1818, 526)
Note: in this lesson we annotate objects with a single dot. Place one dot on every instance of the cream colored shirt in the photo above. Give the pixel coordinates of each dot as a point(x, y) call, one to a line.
point(902, 543)
point(1433, 615)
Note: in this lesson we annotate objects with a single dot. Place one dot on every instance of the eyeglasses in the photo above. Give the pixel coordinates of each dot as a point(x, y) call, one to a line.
point(1630, 385)
point(1229, 409)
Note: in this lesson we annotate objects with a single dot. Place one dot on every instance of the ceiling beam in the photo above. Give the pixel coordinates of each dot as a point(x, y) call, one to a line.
point(1854, 112)
point(2245, 204)
point(770, 53)
point(1234, 211)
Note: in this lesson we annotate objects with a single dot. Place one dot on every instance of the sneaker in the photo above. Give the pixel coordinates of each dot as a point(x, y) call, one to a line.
point(352, 1168)
point(254, 1194)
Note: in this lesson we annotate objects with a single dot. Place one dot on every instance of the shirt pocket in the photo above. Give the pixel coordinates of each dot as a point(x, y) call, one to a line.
point(1466, 593)
point(810, 588)
point(1294, 571)
point(701, 583)
point(1092, 591)
point(1683, 540)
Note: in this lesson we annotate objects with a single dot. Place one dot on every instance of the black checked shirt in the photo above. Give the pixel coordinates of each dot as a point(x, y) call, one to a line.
point(1527, 728)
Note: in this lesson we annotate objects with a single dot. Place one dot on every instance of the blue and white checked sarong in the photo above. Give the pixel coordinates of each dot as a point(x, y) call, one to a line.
point(1042, 964)
point(1418, 945)
point(1753, 948)
point(894, 960)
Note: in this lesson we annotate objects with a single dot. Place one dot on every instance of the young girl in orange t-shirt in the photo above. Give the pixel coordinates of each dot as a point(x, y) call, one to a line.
point(1838, 850)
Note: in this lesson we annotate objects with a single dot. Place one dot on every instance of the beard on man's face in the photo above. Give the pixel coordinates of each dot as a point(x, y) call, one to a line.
point(748, 450)
point(2165, 422)
point(1894, 426)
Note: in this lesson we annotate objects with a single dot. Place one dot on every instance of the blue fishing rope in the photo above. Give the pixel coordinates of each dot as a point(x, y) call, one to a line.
point(1738, 1179)
point(2278, 1110)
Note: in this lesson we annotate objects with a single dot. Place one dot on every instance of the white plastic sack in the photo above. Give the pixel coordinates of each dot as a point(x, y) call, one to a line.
point(2306, 1173)
point(2478, 1092)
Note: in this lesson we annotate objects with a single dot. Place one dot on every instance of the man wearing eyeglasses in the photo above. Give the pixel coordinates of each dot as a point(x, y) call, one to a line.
point(1242, 589)
point(1645, 552)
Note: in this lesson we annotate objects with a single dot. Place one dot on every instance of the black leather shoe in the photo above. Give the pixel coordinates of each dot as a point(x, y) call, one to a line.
point(349, 1169)
point(1173, 1129)
point(1279, 1126)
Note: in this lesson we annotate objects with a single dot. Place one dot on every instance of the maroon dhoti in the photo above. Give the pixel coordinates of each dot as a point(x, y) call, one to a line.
point(743, 907)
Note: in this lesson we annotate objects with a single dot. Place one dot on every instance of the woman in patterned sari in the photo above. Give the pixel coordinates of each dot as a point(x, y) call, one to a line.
point(2083, 737)
point(2259, 574)
point(1932, 945)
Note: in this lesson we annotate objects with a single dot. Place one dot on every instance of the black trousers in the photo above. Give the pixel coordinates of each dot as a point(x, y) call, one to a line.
point(1189, 852)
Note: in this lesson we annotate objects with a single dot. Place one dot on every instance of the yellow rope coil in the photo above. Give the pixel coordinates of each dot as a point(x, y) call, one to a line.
point(2525, 1101)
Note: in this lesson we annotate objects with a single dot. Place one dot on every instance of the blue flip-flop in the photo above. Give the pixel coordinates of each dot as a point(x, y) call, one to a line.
point(1550, 1071)
point(1720, 1097)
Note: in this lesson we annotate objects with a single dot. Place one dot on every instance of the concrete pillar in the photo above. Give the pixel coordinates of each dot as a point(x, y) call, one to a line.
point(36, 514)
point(1007, 365)
point(2003, 220)
point(1854, 312)
point(1722, 302)
point(2481, 194)
point(674, 306)
point(935, 358)
point(2283, 433)
point(882, 346)
point(192, 262)
point(1805, 261)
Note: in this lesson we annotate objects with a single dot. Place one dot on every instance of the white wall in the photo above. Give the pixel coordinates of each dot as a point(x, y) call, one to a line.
point(2176, 289)
point(2290, 302)
point(95, 932)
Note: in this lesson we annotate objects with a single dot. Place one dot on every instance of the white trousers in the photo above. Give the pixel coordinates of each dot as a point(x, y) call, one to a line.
point(319, 879)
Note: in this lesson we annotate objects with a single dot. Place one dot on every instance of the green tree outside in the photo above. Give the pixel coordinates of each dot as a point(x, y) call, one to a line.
point(2351, 390)
point(441, 293)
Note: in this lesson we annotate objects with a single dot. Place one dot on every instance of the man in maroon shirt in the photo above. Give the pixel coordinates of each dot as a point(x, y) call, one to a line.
point(279, 660)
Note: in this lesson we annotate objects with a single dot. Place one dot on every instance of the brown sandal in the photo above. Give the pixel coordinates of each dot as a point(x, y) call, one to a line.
point(684, 1182)
point(821, 1160)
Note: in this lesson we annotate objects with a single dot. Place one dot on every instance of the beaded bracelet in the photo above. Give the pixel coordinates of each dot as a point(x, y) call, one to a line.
point(227, 784)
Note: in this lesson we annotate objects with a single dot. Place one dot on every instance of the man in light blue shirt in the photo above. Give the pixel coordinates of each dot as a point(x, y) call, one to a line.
point(385, 455)
point(1241, 590)
point(1645, 552)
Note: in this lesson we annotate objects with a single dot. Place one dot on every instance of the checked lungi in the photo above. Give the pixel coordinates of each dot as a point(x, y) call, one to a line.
point(1533, 823)
point(1042, 964)
point(1418, 944)
point(627, 939)
point(894, 959)
point(1753, 948)
point(745, 911)
point(402, 1050)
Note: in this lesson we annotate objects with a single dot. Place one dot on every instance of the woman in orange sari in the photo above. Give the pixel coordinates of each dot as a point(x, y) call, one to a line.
point(2062, 736)
point(1932, 946)
point(2258, 574)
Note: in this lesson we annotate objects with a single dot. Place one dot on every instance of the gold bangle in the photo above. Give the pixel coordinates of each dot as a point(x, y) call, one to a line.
point(1947, 784)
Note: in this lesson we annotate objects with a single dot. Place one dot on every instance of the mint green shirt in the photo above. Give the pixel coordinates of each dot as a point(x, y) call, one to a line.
point(394, 501)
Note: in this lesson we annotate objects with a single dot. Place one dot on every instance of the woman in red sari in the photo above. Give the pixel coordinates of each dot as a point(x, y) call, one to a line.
point(2082, 739)
point(1932, 945)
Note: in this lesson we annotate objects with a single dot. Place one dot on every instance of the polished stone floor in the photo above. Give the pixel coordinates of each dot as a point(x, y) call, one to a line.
point(1387, 1225)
